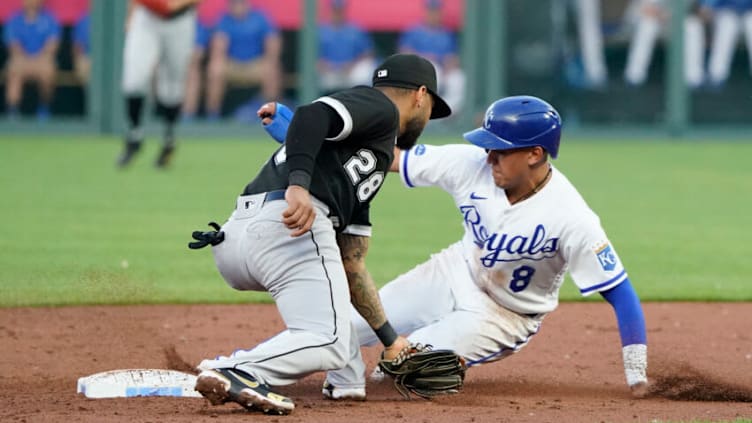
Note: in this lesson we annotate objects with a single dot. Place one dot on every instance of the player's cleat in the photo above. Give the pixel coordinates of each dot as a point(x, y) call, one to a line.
point(333, 393)
point(165, 156)
point(129, 150)
point(377, 375)
point(223, 385)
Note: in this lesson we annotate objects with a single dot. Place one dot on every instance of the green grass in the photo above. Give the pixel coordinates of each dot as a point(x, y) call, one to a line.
point(74, 230)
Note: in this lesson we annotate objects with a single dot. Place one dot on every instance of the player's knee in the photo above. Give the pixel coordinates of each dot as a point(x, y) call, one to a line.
point(335, 350)
point(216, 70)
point(47, 76)
point(170, 95)
point(135, 87)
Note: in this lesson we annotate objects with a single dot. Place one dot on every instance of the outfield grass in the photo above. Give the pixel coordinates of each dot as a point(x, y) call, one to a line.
point(74, 230)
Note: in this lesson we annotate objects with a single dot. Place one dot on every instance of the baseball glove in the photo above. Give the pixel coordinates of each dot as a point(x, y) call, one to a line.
point(425, 372)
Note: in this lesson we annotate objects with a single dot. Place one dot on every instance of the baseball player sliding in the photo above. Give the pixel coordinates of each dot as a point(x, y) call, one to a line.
point(159, 36)
point(525, 227)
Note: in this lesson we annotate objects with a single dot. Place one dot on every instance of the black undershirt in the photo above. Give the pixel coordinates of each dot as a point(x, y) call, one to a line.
point(310, 125)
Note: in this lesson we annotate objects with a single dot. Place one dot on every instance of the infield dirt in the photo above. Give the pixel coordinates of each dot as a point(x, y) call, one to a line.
point(700, 365)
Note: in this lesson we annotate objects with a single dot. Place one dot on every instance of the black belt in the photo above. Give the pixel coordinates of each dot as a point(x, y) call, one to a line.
point(275, 195)
point(180, 12)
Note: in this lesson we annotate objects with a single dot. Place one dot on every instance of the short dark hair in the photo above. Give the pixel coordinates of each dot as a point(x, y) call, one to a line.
point(400, 91)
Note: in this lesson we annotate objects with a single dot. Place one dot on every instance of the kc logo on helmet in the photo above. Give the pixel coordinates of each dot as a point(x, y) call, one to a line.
point(489, 118)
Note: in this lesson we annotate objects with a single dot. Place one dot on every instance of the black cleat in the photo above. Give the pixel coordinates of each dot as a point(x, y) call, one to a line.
point(130, 149)
point(165, 156)
point(223, 385)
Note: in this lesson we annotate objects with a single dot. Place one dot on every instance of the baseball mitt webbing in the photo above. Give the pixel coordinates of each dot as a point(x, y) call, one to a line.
point(423, 371)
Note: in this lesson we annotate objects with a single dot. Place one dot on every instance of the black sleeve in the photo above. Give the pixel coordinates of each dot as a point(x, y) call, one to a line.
point(310, 125)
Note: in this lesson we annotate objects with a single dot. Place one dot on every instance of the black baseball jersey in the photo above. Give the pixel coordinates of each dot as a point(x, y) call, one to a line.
point(350, 167)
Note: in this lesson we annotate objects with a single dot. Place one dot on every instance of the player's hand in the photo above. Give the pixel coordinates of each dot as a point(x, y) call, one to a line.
point(266, 112)
point(300, 213)
point(391, 352)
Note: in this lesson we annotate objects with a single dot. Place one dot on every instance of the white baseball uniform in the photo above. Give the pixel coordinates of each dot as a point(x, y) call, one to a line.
point(728, 23)
point(591, 40)
point(486, 295)
point(161, 44)
point(649, 28)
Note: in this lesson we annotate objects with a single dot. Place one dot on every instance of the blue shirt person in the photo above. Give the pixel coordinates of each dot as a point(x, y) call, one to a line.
point(246, 33)
point(434, 41)
point(32, 37)
point(32, 31)
point(245, 49)
point(345, 56)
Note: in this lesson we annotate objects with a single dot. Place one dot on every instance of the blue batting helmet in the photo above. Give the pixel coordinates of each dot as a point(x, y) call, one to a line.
point(516, 122)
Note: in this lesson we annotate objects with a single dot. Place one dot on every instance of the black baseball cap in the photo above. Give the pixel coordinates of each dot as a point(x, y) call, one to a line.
point(411, 71)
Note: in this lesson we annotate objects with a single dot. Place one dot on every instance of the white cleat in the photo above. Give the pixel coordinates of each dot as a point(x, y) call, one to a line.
point(333, 393)
point(377, 376)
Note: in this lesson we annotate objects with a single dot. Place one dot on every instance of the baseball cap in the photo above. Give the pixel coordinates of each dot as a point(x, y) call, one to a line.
point(411, 71)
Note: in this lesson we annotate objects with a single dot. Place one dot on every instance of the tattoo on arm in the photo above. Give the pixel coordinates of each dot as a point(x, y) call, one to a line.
point(363, 293)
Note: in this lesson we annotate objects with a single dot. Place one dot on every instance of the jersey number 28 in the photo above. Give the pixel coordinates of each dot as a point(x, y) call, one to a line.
point(359, 168)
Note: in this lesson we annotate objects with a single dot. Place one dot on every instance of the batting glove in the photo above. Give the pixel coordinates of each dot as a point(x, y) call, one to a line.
point(203, 239)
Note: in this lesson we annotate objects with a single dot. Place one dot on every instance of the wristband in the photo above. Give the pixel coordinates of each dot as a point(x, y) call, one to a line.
point(386, 333)
point(277, 128)
point(300, 178)
point(284, 112)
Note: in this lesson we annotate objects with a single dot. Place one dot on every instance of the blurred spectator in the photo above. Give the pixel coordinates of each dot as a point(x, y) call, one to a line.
point(730, 17)
point(32, 37)
point(245, 48)
point(436, 43)
point(81, 49)
point(345, 52)
point(195, 80)
point(590, 34)
point(653, 20)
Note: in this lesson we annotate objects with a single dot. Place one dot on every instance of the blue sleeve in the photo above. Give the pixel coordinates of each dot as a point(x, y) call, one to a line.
point(55, 29)
point(365, 44)
point(9, 33)
point(281, 121)
point(81, 32)
point(626, 304)
point(406, 40)
point(224, 25)
point(452, 44)
point(269, 27)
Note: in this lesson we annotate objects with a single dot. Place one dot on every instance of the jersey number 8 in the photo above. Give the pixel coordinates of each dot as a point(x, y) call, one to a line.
point(521, 278)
